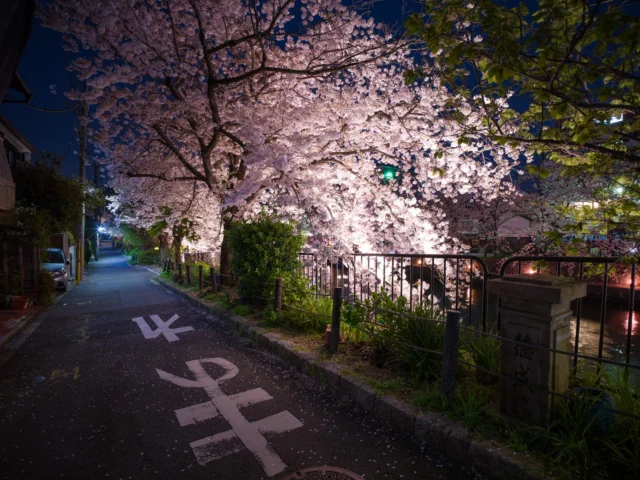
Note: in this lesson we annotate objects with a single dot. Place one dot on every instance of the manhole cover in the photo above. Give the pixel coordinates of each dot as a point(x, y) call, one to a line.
point(323, 473)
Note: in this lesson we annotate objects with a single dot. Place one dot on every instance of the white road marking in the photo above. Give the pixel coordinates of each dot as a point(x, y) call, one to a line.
point(244, 399)
point(243, 432)
point(196, 413)
point(163, 328)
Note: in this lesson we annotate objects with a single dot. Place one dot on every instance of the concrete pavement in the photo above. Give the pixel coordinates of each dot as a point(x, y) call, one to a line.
point(124, 380)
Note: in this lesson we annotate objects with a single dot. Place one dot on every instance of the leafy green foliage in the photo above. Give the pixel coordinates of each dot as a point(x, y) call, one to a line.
point(572, 65)
point(46, 288)
point(404, 339)
point(484, 351)
point(263, 250)
point(306, 313)
point(145, 257)
point(47, 201)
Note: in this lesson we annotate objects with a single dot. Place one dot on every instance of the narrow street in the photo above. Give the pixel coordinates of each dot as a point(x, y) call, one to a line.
point(88, 396)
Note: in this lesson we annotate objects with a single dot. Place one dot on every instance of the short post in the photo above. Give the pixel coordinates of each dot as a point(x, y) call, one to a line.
point(201, 276)
point(277, 301)
point(450, 357)
point(212, 273)
point(335, 320)
point(188, 271)
point(179, 273)
point(535, 312)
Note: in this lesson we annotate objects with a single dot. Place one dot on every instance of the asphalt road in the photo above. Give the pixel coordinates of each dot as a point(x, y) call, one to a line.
point(88, 396)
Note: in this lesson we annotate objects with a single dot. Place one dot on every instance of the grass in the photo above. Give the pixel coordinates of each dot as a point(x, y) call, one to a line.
point(484, 351)
point(386, 387)
point(305, 313)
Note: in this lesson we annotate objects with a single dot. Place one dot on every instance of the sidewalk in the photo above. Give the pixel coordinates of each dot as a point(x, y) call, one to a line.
point(12, 321)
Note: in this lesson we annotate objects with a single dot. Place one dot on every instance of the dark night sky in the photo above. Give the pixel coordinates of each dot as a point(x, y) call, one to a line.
point(44, 64)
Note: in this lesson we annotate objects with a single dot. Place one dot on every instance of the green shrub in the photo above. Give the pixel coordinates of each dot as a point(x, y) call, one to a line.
point(88, 253)
point(46, 289)
point(263, 250)
point(306, 313)
point(408, 340)
point(484, 350)
point(145, 257)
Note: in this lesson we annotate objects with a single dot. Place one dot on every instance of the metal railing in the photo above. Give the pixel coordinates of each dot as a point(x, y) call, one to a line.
point(445, 281)
point(575, 267)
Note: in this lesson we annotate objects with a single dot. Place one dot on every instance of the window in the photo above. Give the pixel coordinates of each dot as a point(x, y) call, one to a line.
point(53, 256)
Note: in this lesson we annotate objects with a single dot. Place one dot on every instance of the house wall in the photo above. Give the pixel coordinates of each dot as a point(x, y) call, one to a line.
point(7, 195)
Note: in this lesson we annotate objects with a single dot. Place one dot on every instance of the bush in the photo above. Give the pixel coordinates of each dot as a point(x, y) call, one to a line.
point(405, 339)
point(47, 288)
point(485, 353)
point(88, 254)
point(263, 250)
point(307, 313)
point(144, 257)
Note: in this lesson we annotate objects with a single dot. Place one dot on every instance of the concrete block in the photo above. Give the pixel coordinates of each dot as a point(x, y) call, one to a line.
point(398, 413)
point(360, 391)
point(331, 374)
point(497, 461)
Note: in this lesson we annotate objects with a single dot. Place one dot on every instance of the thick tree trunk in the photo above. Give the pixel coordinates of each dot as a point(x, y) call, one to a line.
point(165, 246)
point(225, 254)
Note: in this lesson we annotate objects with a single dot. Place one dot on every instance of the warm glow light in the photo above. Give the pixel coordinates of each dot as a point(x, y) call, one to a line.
point(530, 271)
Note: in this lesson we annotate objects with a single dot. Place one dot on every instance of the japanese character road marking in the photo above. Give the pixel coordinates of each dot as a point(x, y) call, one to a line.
point(243, 433)
point(163, 328)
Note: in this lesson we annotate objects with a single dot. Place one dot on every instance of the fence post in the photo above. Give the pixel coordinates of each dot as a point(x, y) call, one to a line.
point(335, 320)
point(201, 276)
point(212, 273)
point(277, 302)
point(450, 357)
point(179, 273)
point(188, 267)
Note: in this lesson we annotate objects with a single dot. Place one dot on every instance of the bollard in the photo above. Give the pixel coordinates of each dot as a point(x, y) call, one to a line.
point(335, 320)
point(201, 276)
point(214, 286)
point(179, 273)
point(188, 271)
point(450, 357)
point(277, 302)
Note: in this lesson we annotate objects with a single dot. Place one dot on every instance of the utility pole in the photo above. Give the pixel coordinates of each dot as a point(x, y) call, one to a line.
point(83, 114)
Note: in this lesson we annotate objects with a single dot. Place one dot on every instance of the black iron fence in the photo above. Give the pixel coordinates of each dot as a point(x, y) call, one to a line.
point(445, 281)
point(599, 272)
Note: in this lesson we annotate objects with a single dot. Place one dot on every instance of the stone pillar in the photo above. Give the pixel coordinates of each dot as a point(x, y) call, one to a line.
point(534, 309)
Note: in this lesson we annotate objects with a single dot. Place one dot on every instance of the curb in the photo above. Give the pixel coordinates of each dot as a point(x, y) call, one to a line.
point(489, 458)
point(22, 322)
point(23, 331)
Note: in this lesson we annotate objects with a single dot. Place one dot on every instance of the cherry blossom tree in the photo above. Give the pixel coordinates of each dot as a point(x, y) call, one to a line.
point(228, 107)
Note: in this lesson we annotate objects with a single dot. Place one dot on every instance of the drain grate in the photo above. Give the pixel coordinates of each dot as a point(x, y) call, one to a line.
point(323, 473)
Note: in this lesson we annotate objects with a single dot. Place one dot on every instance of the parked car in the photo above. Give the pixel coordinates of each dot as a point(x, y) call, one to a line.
point(54, 261)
